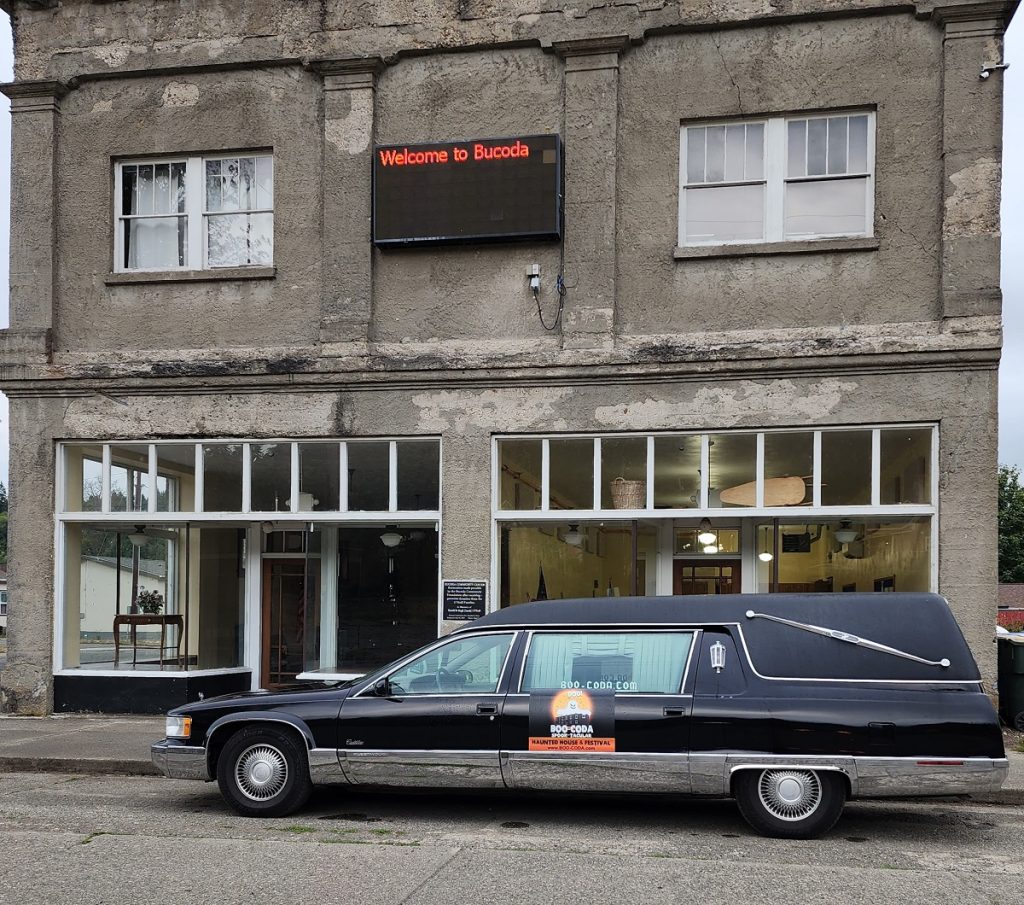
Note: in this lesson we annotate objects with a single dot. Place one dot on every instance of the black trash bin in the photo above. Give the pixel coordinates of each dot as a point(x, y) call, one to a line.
point(1011, 679)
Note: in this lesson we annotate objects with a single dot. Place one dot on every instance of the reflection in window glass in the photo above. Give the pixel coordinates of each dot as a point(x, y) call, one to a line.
point(732, 469)
point(319, 477)
point(633, 662)
point(677, 472)
point(176, 477)
point(222, 477)
point(468, 666)
point(906, 466)
point(129, 478)
point(788, 468)
point(419, 463)
point(624, 473)
point(221, 607)
point(92, 485)
point(572, 474)
point(271, 471)
point(846, 468)
point(368, 471)
point(520, 473)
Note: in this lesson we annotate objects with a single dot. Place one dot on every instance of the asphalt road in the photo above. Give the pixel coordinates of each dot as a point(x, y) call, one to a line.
point(81, 840)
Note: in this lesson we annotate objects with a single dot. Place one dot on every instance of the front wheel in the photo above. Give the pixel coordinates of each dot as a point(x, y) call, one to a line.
point(790, 804)
point(263, 773)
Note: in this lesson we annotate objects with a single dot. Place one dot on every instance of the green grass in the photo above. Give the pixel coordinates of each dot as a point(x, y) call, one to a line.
point(1019, 747)
point(298, 828)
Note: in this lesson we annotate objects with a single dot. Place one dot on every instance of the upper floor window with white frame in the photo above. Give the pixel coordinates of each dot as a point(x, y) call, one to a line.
point(777, 179)
point(195, 213)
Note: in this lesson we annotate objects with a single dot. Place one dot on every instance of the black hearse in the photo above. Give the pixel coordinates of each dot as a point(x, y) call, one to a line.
point(791, 704)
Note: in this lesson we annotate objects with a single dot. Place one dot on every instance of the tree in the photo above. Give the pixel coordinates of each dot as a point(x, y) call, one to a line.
point(1011, 525)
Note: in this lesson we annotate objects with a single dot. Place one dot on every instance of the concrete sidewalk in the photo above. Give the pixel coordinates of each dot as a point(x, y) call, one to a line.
point(120, 745)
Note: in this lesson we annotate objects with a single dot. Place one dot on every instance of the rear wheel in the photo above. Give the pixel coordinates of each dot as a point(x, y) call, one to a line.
point(790, 803)
point(264, 773)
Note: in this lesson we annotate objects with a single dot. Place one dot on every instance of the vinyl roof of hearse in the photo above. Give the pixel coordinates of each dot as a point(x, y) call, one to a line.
point(918, 624)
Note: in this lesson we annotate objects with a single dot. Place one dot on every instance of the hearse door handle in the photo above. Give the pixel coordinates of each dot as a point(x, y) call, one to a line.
point(675, 711)
point(486, 709)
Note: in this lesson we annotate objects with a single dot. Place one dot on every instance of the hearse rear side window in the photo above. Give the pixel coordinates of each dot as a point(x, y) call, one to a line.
point(624, 662)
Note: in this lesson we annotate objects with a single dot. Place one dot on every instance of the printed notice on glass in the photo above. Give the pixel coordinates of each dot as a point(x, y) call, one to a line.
point(464, 601)
point(572, 719)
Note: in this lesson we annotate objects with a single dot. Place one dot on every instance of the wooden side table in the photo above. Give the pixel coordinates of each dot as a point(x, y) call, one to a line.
point(134, 620)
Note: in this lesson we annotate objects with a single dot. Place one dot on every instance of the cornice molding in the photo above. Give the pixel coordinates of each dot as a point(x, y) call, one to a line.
point(944, 12)
point(44, 89)
point(591, 46)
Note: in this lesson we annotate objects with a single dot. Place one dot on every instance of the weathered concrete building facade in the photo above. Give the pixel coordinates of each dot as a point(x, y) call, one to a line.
point(761, 355)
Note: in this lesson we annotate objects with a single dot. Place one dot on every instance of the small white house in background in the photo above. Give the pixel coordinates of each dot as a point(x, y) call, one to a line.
point(99, 591)
point(3, 599)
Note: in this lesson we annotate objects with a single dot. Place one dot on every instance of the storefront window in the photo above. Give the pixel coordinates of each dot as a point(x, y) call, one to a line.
point(176, 477)
point(677, 472)
point(850, 555)
point(572, 474)
point(688, 542)
point(549, 561)
point(164, 598)
point(520, 474)
point(271, 468)
point(906, 466)
point(732, 460)
point(129, 478)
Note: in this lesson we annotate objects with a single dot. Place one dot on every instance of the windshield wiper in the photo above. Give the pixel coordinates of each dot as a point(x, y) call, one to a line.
point(849, 639)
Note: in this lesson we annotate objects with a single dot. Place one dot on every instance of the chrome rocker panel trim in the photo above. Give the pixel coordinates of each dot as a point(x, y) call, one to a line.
point(180, 761)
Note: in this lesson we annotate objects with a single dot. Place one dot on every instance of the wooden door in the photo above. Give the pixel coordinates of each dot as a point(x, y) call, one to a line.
point(291, 614)
point(703, 576)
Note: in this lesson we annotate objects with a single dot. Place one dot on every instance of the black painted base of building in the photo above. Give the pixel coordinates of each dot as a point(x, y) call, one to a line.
point(142, 694)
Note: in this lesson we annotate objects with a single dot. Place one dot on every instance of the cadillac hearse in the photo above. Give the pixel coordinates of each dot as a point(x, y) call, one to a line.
point(790, 704)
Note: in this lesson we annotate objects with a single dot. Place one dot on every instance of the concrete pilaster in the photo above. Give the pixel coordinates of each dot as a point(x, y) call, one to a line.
point(972, 154)
point(26, 683)
point(35, 108)
point(349, 86)
point(591, 129)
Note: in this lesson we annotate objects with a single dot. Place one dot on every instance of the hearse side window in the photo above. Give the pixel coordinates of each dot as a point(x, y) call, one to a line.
point(467, 666)
point(625, 662)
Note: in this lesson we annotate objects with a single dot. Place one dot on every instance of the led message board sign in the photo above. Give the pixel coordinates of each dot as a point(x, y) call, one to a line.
point(493, 189)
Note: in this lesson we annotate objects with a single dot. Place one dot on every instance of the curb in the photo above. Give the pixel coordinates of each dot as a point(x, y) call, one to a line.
point(90, 766)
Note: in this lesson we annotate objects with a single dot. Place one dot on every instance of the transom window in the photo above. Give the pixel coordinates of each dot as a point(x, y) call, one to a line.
point(776, 179)
point(195, 213)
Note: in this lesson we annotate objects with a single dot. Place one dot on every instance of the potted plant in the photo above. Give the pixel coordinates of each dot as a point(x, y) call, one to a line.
point(150, 602)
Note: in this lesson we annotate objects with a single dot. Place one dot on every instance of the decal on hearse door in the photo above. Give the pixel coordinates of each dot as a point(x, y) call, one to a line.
point(572, 719)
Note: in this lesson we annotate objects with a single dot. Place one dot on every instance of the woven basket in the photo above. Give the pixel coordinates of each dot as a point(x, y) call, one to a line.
point(628, 494)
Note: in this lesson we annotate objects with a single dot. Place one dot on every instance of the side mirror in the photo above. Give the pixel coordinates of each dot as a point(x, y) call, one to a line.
point(382, 688)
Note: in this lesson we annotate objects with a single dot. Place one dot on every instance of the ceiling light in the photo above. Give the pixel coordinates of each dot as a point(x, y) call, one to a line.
point(391, 537)
point(705, 533)
point(845, 534)
point(573, 536)
point(138, 539)
point(711, 548)
point(765, 556)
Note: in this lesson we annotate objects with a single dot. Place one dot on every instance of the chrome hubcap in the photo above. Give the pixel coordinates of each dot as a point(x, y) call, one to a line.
point(261, 772)
point(789, 794)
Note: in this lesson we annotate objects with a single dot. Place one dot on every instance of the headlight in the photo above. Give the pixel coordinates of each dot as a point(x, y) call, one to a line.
point(179, 726)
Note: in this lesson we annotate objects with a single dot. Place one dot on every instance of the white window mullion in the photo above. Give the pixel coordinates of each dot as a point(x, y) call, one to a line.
point(816, 469)
point(105, 479)
point(775, 179)
point(876, 467)
point(195, 189)
point(705, 464)
point(545, 474)
point(151, 479)
point(869, 206)
point(199, 478)
point(296, 490)
point(393, 476)
point(759, 474)
point(596, 502)
point(246, 477)
point(118, 222)
point(649, 503)
point(343, 476)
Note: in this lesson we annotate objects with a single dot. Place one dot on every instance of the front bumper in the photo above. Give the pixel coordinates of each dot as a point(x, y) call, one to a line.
point(179, 761)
